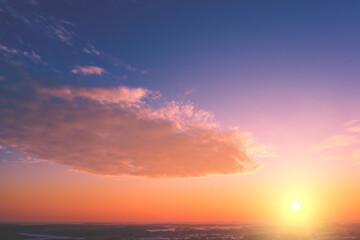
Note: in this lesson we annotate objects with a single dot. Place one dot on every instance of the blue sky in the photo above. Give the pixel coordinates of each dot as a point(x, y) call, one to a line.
point(184, 44)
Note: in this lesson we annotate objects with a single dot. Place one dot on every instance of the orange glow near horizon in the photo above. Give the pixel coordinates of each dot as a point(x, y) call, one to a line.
point(78, 197)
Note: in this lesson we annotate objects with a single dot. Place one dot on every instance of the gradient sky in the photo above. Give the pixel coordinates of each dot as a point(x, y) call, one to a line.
point(179, 111)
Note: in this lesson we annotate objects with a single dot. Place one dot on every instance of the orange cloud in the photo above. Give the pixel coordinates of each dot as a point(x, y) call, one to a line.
point(335, 141)
point(113, 131)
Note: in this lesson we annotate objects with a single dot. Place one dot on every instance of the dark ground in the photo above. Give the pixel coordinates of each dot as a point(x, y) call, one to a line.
point(172, 231)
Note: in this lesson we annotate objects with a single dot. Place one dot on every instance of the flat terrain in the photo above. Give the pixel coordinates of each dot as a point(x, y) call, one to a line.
point(168, 232)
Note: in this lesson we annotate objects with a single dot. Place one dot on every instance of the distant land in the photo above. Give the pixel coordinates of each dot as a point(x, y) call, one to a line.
point(170, 232)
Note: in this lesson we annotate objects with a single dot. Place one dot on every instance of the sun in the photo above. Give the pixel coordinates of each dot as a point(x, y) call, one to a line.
point(296, 206)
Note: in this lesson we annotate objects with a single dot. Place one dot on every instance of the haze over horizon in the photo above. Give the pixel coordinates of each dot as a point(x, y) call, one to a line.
point(180, 111)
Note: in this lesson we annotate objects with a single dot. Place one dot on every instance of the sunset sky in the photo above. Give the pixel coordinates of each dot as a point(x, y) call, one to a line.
point(179, 111)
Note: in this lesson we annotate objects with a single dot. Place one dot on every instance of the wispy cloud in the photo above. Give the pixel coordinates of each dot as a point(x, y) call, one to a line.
point(90, 49)
point(88, 70)
point(189, 91)
point(16, 52)
point(102, 95)
point(114, 131)
point(352, 126)
point(8, 50)
point(335, 141)
point(29, 160)
point(130, 68)
point(59, 31)
point(351, 122)
point(354, 129)
point(32, 55)
point(119, 63)
point(29, 14)
point(123, 77)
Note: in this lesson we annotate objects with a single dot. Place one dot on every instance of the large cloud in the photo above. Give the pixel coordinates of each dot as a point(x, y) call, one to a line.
point(112, 131)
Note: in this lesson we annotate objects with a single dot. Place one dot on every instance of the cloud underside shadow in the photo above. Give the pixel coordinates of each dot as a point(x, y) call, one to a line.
point(122, 136)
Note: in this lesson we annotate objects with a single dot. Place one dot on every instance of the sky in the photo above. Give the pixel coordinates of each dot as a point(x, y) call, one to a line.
point(179, 111)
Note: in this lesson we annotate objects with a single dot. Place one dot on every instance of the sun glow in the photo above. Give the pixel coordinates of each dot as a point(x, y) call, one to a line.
point(296, 206)
point(298, 211)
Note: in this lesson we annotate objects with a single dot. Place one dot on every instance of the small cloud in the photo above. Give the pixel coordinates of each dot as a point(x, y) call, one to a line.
point(123, 77)
point(143, 72)
point(88, 70)
point(61, 32)
point(2, 147)
point(115, 61)
point(2, 78)
point(30, 160)
point(8, 50)
point(32, 55)
point(335, 141)
point(90, 49)
point(189, 92)
point(102, 95)
point(130, 68)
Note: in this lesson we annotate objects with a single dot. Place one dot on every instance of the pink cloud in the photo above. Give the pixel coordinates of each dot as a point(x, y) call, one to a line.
point(88, 70)
point(90, 49)
point(32, 55)
point(351, 122)
point(354, 129)
point(61, 32)
point(335, 141)
point(8, 50)
point(113, 131)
